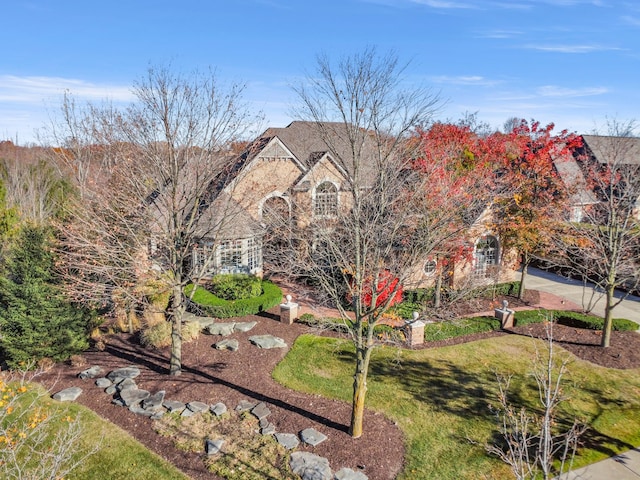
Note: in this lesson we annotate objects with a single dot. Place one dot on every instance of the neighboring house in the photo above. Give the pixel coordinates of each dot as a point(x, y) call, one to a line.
point(623, 152)
point(290, 170)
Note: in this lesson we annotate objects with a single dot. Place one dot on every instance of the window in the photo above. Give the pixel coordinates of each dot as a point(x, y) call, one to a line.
point(485, 256)
point(326, 200)
point(430, 267)
point(254, 256)
point(230, 254)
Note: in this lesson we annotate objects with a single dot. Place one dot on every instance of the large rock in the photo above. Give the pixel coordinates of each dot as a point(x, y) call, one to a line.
point(245, 405)
point(310, 466)
point(154, 402)
point(211, 447)
point(312, 436)
point(91, 372)
point(287, 440)
point(174, 406)
point(244, 326)
point(218, 409)
point(227, 344)
point(223, 329)
point(197, 407)
point(121, 373)
point(261, 411)
point(126, 384)
point(133, 396)
point(68, 394)
point(103, 382)
point(267, 341)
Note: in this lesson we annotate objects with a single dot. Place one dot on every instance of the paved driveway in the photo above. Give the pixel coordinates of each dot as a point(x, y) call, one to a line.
point(581, 294)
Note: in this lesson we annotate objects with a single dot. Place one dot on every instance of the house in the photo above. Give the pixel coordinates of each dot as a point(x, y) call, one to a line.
point(290, 170)
point(597, 152)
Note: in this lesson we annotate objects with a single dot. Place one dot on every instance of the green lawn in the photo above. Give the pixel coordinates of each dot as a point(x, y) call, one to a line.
point(117, 455)
point(440, 397)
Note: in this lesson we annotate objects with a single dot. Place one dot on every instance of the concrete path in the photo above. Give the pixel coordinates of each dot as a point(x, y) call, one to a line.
point(625, 466)
point(582, 295)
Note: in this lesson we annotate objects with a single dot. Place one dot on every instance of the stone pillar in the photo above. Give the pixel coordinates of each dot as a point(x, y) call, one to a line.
point(288, 311)
point(505, 315)
point(415, 331)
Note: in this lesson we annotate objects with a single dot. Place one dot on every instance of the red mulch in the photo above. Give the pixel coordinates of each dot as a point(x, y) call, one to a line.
point(211, 376)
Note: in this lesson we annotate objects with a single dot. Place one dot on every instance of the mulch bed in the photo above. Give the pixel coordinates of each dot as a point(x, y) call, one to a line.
point(212, 376)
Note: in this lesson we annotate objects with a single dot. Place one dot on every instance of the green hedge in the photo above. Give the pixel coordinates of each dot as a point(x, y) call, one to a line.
point(572, 319)
point(208, 304)
point(457, 328)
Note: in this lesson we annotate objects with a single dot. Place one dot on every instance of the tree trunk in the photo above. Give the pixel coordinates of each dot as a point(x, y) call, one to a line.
point(608, 317)
point(523, 277)
point(177, 305)
point(438, 292)
point(359, 391)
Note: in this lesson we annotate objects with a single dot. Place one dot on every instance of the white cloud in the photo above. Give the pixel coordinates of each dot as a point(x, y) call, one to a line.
point(635, 21)
point(570, 48)
point(464, 80)
point(555, 91)
point(500, 34)
point(15, 89)
point(444, 4)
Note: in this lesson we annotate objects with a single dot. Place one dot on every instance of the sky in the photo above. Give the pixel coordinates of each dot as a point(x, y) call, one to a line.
point(575, 63)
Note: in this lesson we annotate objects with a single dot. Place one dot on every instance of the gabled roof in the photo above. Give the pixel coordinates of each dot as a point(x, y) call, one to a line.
point(621, 150)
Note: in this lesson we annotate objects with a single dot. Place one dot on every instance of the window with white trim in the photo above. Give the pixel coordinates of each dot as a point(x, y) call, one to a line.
point(485, 256)
point(325, 202)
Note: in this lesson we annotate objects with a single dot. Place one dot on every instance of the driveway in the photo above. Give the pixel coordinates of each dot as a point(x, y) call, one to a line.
point(581, 294)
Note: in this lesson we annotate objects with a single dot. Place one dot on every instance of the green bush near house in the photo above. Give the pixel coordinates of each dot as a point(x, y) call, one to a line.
point(211, 305)
point(235, 286)
point(434, 332)
point(572, 319)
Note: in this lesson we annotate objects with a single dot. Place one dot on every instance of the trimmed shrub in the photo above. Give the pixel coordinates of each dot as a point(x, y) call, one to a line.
point(206, 303)
point(405, 309)
point(456, 328)
point(236, 286)
point(419, 295)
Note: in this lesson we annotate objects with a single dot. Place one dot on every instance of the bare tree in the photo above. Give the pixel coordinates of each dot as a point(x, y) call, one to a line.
point(168, 159)
point(375, 238)
point(604, 247)
point(531, 443)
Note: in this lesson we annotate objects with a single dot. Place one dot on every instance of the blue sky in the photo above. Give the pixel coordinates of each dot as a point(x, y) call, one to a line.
point(571, 62)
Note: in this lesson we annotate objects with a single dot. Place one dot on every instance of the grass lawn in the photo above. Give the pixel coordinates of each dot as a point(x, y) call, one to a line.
point(117, 456)
point(440, 398)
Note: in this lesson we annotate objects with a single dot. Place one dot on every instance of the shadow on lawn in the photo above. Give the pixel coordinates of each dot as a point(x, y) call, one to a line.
point(448, 388)
point(154, 362)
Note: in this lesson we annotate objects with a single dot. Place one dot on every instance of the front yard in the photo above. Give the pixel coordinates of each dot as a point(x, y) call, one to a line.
point(440, 399)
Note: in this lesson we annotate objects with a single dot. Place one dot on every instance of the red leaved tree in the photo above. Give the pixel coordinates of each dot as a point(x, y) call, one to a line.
point(532, 199)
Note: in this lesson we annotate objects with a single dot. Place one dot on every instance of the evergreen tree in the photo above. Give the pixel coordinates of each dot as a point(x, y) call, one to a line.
point(36, 320)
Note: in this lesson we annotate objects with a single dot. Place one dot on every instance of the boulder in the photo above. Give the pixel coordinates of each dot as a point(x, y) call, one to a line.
point(126, 384)
point(103, 383)
point(227, 344)
point(154, 402)
point(267, 341)
point(121, 373)
point(312, 436)
point(244, 326)
point(173, 406)
point(245, 405)
point(223, 329)
point(261, 411)
point(211, 447)
point(91, 372)
point(68, 394)
point(133, 396)
point(310, 466)
point(197, 407)
point(287, 440)
point(218, 409)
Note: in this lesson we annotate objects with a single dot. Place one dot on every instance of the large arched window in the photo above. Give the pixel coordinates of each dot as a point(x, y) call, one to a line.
point(325, 201)
point(485, 256)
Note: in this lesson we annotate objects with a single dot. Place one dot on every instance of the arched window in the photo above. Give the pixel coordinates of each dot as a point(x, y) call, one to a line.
point(275, 212)
point(325, 202)
point(485, 256)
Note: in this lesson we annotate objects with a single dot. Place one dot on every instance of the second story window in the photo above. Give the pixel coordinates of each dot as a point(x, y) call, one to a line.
point(325, 202)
